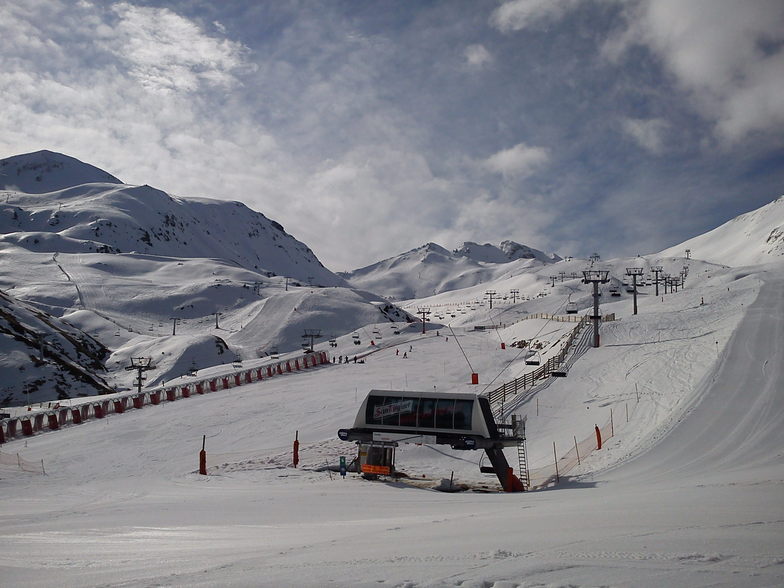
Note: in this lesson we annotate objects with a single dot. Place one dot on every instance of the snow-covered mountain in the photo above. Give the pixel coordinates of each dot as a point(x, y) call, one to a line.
point(431, 269)
point(44, 357)
point(123, 262)
point(47, 171)
point(749, 239)
point(82, 215)
point(503, 253)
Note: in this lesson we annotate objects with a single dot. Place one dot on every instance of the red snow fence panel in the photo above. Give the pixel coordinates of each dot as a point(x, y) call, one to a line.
point(279, 369)
point(85, 412)
point(54, 424)
point(248, 377)
point(296, 364)
point(138, 401)
point(258, 374)
point(98, 411)
point(155, 397)
point(269, 371)
point(11, 428)
point(213, 386)
point(119, 405)
point(38, 422)
point(2, 434)
point(186, 392)
point(200, 388)
point(225, 382)
point(27, 427)
point(63, 416)
point(171, 394)
point(288, 366)
point(475, 378)
point(76, 416)
point(237, 381)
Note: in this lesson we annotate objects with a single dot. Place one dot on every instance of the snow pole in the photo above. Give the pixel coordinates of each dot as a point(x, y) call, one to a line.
point(203, 457)
point(296, 448)
point(598, 437)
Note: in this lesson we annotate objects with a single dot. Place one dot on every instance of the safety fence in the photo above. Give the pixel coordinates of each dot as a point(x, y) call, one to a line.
point(55, 419)
point(549, 475)
point(553, 365)
point(17, 461)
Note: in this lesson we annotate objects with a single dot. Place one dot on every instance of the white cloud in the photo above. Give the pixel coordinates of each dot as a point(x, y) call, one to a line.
point(728, 55)
point(518, 161)
point(165, 51)
point(477, 55)
point(649, 133)
point(517, 15)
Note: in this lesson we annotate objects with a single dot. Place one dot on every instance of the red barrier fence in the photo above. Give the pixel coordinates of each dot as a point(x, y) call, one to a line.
point(55, 419)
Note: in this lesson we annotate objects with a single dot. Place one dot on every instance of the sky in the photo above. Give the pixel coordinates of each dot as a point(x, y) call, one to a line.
point(370, 128)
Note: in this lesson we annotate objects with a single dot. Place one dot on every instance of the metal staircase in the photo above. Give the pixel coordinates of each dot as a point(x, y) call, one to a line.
point(522, 458)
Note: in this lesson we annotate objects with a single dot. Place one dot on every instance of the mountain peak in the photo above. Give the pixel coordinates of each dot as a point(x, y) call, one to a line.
point(45, 171)
point(505, 252)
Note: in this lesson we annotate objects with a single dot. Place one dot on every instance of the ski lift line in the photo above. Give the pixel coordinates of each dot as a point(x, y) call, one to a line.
point(503, 369)
point(461, 348)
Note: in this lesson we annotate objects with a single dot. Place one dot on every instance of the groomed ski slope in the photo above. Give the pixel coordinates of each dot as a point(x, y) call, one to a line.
point(689, 492)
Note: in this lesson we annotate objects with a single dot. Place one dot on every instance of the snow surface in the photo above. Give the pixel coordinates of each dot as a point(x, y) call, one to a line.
point(687, 493)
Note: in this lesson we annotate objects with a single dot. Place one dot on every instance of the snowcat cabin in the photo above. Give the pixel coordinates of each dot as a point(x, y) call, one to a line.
point(464, 421)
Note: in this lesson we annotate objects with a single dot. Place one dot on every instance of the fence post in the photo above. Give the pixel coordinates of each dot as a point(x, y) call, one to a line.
point(555, 456)
point(577, 451)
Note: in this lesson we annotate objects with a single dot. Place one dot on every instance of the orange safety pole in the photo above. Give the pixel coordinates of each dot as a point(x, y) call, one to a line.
point(203, 457)
point(598, 437)
point(296, 448)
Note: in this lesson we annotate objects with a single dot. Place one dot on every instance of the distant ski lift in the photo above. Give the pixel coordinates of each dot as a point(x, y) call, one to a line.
point(615, 291)
point(117, 333)
point(355, 336)
point(533, 359)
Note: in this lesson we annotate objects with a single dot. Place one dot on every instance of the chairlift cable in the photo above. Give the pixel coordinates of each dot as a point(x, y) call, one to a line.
point(503, 369)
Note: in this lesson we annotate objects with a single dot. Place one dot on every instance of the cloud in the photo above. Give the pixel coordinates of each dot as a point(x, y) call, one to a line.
point(728, 55)
point(518, 161)
point(517, 15)
point(477, 56)
point(649, 134)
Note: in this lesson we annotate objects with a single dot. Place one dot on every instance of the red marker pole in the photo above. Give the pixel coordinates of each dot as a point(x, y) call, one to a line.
point(203, 457)
point(296, 448)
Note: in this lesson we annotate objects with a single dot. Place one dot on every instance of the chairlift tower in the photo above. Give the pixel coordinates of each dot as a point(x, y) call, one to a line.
point(657, 269)
point(490, 294)
point(634, 272)
point(312, 334)
point(674, 283)
point(596, 277)
point(552, 281)
point(217, 314)
point(514, 293)
point(424, 311)
point(595, 257)
point(688, 254)
point(667, 282)
point(174, 321)
point(562, 275)
point(140, 365)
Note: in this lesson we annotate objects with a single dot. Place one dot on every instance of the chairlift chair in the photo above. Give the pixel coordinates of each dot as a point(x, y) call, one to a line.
point(533, 359)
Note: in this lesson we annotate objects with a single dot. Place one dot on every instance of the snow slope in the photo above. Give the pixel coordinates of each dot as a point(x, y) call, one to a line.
point(749, 239)
point(687, 493)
